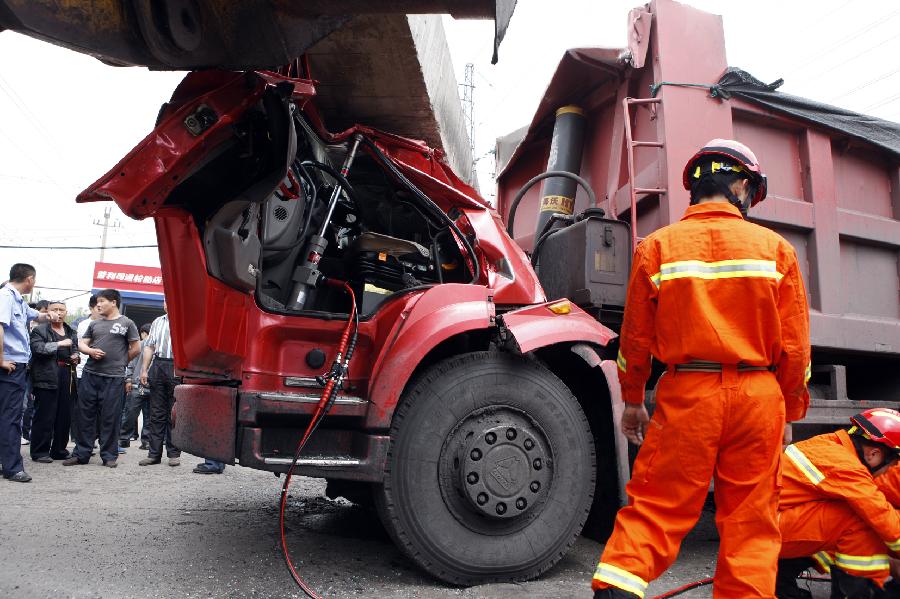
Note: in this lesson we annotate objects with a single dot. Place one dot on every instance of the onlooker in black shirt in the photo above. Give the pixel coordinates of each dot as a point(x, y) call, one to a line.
point(54, 354)
point(110, 342)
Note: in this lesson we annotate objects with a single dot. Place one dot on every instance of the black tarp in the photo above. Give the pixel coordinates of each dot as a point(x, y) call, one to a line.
point(878, 132)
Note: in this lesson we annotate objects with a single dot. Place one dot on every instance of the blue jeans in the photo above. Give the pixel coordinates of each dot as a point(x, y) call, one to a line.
point(12, 398)
point(214, 465)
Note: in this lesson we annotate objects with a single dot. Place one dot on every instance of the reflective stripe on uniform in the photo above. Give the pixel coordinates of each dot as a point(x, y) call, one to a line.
point(619, 578)
point(802, 462)
point(894, 545)
point(808, 374)
point(824, 560)
point(862, 563)
point(620, 362)
point(723, 269)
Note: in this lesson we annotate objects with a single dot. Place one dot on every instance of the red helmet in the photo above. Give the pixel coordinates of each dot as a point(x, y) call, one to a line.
point(881, 425)
point(736, 152)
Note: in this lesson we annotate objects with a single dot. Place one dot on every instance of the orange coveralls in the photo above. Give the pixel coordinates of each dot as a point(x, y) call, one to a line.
point(832, 508)
point(711, 287)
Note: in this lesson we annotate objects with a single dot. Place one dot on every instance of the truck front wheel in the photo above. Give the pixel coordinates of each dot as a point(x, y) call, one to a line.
point(491, 470)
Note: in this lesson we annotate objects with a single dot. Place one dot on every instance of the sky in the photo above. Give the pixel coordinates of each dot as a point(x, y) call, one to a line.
point(67, 118)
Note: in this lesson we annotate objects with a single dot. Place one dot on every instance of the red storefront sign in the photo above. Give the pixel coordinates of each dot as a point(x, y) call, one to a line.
point(128, 277)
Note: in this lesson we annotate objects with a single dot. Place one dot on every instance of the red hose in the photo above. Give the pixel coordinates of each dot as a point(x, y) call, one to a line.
point(317, 416)
point(685, 588)
point(706, 581)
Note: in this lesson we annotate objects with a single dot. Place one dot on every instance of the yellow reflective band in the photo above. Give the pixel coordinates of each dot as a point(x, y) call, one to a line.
point(697, 173)
point(824, 560)
point(802, 462)
point(723, 269)
point(619, 578)
point(808, 374)
point(620, 362)
point(894, 545)
point(862, 563)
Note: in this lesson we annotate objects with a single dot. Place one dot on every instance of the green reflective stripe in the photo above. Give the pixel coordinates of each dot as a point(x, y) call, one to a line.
point(824, 560)
point(620, 361)
point(862, 563)
point(621, 579)
point(803, 463)
point(723, 269)
point(894, 546)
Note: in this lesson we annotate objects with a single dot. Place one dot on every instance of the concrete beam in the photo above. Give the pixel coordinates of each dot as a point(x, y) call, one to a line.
point(393, 72)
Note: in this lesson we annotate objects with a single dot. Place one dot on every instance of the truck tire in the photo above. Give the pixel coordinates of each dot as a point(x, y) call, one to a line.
point(490, 472)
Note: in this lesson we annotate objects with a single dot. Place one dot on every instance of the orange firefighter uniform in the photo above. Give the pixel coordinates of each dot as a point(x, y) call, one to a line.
point(710, 290)
point(832, 508)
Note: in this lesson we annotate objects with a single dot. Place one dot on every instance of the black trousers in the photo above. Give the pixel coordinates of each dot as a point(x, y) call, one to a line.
point(135, 404)
point(52, 417)
point(12, 398)
point(162, 398)
point(101, 395)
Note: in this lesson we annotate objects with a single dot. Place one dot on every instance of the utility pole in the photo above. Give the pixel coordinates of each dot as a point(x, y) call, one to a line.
point(468, 105)
point(107, 212)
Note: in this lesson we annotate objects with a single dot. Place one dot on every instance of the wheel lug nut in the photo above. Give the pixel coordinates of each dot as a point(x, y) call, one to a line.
point(510, 433)
point(529, 444)
point(476, 454)
point(535, 486)
point(536, 464)
point(501, 508)
point(472, 478)
point(491, 438)
point(521, 503)
point(482, 498)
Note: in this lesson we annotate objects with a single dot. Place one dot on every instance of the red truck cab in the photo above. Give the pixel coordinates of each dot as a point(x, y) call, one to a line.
point(473, 410)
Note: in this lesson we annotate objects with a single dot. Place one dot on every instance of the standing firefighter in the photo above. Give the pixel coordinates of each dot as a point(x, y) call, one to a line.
point(721, 302)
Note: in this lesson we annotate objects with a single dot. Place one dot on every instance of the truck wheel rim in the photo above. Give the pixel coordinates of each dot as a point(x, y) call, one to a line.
point(496, 469)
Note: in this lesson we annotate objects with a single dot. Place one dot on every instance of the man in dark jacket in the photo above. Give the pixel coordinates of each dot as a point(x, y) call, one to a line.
point(54, 350)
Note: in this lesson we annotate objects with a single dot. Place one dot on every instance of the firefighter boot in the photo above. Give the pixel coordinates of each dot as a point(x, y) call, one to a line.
point(786, 581)
point(847, 586)
point(613, 593)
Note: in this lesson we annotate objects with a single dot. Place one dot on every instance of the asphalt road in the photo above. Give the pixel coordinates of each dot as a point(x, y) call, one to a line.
point(157, 531)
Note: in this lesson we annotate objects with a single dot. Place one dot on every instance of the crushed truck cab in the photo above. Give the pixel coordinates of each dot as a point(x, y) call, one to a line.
point(461, 361)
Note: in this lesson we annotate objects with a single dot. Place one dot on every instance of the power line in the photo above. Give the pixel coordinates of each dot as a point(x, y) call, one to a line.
point(844, 41)
point(877, 79)
point(832, 68)
point(882, 102)
point(60, 288)
point(74, 247)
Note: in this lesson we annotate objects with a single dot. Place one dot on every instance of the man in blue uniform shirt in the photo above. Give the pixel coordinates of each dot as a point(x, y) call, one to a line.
point(16, 352)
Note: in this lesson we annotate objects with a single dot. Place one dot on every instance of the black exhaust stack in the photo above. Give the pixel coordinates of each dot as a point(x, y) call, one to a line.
point(558, 196)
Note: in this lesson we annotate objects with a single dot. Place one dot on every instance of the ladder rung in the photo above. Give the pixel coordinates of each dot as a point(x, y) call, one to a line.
point(648, 190)
point(647, 144)
point(643, 100)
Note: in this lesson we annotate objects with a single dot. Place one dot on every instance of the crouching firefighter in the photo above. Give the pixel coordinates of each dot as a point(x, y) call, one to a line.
point(832, 513)
point(721, 302)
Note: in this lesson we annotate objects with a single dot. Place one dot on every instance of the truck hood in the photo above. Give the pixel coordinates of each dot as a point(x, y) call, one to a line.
point(201, 117)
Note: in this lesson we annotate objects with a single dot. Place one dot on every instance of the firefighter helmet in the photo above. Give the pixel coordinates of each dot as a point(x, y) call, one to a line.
point(737, 157)
point(881, 425)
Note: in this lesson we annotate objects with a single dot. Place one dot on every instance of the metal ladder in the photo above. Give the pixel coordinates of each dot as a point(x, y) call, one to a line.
point(630, 145)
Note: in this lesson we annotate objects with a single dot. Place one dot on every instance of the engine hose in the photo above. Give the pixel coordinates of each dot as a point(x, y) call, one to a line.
point(434, 208)
point(345, 349)
point(307, 219)
point(514, 206)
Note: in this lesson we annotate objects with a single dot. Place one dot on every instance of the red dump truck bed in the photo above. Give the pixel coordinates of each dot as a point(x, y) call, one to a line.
point(834, 181)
